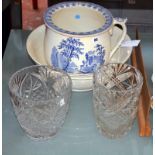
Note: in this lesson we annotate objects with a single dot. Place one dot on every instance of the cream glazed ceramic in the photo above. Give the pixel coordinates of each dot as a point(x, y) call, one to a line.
point(80, 82)
point(78, 36)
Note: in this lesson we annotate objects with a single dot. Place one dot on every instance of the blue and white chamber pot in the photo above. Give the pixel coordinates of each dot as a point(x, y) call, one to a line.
point(78, 36)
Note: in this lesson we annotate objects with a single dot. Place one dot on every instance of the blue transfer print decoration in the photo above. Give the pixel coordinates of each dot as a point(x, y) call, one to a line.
point(72, 48)
point(68, 49)
point(58, 59)
point(93, 59)
point(95, 39)
point(72, 67)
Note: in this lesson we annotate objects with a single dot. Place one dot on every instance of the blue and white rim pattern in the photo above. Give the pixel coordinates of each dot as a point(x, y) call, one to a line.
point(51, 10)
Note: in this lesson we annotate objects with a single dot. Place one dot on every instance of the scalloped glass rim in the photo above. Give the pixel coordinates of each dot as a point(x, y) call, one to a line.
point(31, 67)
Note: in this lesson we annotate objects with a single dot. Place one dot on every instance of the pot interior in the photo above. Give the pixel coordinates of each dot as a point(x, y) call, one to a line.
point(78, 19)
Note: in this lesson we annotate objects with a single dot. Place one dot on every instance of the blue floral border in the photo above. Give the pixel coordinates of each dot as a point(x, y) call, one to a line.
point(48, 13)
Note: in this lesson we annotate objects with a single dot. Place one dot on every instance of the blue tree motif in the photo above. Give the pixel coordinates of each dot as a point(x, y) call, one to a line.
point(68, 49)
point(71, 47)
